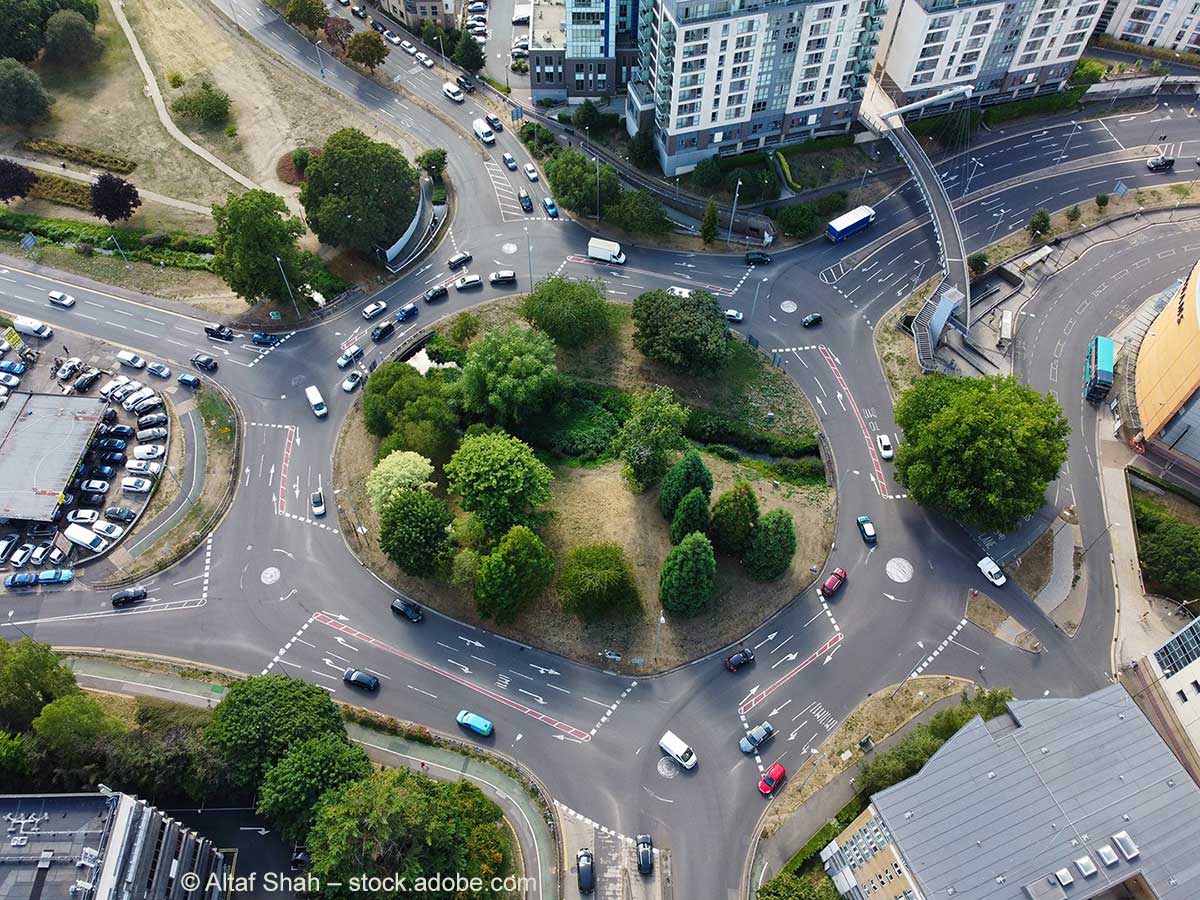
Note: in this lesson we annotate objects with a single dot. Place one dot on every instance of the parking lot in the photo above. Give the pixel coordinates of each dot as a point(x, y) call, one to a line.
point(614, 860)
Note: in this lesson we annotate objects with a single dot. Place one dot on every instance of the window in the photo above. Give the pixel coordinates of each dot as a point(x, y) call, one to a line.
point(1196, 686)
point(1182, 696)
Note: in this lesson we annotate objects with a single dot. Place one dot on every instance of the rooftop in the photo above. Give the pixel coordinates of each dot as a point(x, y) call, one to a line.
point(1063, 798)
point(42, 437)
point(548, 28)
point(51, 842)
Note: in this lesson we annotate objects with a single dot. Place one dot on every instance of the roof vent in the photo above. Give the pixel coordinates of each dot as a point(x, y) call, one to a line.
point(1107, 855)
point(1086, 867)
point(1170, 782)
point(908, 814)
point(1126, 845)
point(1124, 817)
point(1064, 877)
point(1045, 750)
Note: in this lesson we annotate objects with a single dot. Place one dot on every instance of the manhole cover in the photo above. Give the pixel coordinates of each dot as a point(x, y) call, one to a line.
point(508, 248)
point(667, 767)
point(899, 569)
point(788, 306)
point(270, 575)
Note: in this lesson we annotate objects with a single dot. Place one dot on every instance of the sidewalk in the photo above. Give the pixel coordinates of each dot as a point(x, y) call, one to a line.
point(537, 841)
point(87, 177)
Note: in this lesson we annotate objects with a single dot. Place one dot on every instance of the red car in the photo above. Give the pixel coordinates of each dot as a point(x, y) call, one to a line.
point(836, 579)
point(772, 778)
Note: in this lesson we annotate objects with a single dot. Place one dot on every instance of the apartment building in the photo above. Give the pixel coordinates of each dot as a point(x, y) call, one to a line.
point(414, 12)
point(1157, 23)
point(1166, 685)
point(582, 49)
point(1005, 49)
point(733, 76)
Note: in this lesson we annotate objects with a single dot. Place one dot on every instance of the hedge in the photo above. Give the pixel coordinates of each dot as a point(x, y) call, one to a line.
point(743, 161)
point(1135, 49)
point(710, 428)
point(786, 170)
point(1032, 106)
point(64, 191)
point(80, 154)
point(826, 833)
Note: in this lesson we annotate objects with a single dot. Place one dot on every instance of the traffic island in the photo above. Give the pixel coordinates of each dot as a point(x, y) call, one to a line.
point(894, 347)
point(988, 615)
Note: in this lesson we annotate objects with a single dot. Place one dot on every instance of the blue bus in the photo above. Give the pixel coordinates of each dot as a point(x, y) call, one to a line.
point(849, 223)
point(1098, 369)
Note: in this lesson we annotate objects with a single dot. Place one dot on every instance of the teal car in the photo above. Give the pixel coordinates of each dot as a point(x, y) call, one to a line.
point(476, 723)
point(56, 576)
point(867, 529)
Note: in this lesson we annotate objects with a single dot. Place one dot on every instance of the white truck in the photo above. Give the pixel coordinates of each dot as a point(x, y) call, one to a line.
point(32, 327)
point(608, 251)
point(483, 132)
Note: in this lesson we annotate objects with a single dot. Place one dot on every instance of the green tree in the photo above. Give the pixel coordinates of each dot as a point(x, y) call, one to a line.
point(113, 198)
point(1074, 214)
point(1168, 550)
point(15, 180)
point(433, 161)
point(798, 220)
point(399, 471)
point(263, 716)
point(572, 312)
point(204, 104)
point(734, 516)
point(573, 180)
point(650, 435)
point(309, 13)
point(410, 410)
point(638, 212)
point(597, 581)
point(982, 450)
point(359, 192)
point(464, 328)
point(1089, 71)
point(586, 116)
point(1039, 223)
point(22, 34)
point(414, 531)
point(641, 149)
point(690, 472)
point(30, 677)
point(689, 573)
point(89, 9)
point(499, 479)
point(690, 516)
point(468, 53)
point(367, 49)
point(71, 39)
point(1101, 201)
point(510, 375)
point(432, 35)
point(707, 173)
point(293, 786)
point(15, 763)
point(23, 100)
point(517, 571)
point(66, 735)
point(772, 546)
point(709, 226)
point(799, 886)
point(338, 30)
point(687, 333)
point(978, 262)
point(254, 237)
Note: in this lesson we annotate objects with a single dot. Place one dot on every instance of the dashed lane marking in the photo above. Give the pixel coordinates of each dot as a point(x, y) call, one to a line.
point(940, 647)
point(612, 709)
point(580, 817)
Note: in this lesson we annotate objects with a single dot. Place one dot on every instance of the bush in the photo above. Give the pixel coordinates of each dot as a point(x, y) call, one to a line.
point(798, 220)
point(707, 173)
point(1089, 71)
point(538, 138)
point(576, 429)
point(175, 78)
point(83, 248)
point(414, 531)
point(682, 478)
point(734, 517)
point(565, 118)
point(772, 546)
point(1168, 549)
point(1033, 106)
point(206, 105)
point(597, 581)
point(832, 204)
point(231, 130)
point(517, 571)
point(464, 327)
point(978, 263)
point(691, 515)
point(442, 351)
point(63, 191)
point(806, 470)
point(685, 586)
point(711, 428)
point(723, 452)
point(80, 154)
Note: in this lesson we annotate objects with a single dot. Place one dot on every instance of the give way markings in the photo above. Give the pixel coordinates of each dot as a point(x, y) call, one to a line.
point(568, 730)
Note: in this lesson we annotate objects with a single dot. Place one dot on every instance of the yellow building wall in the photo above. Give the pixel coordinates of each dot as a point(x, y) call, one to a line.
point(1168, 364)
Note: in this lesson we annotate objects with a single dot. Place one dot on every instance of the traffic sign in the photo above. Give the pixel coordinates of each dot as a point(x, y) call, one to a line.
point(28, 242)
point(276, 315)
point(517, 113)
point(1121, 189)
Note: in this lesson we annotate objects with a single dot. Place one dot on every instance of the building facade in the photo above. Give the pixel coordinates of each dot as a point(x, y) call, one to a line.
point(1172, 24)
point(582, 49)
point(414, 12)
point(1005, 49)
point(734, 76)
point(1166, 685)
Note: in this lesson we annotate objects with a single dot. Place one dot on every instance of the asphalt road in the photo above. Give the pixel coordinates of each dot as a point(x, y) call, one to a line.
point(275, 588)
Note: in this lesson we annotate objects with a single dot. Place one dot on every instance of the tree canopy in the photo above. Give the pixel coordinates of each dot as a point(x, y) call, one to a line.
point(691, 515)
point(15, 180)
point(468, 53)
point(571, 312)
point(359, 192)
point(517, 571)
point(687, 333)
point(433, 161)
point(30, 677)
point(256, 237)
point(414, 531)
point(734, 516)
point(66, 734)
point(294, 785)
point(641, 149)
point(772, 546)
point(309, 13)
point(509, 375)
point(114, 198)
point(597, 581)
point(688, 576)
point(572, 176)
point(367, 49)
point(23, 100)
point(410, 410)
point(650, 435)
point(638, 212)
point(499, 479)
point(709, 224)
point(982, 450)
point(71, 39)
point(690, 472)
point(401, 470)
point(26, 23)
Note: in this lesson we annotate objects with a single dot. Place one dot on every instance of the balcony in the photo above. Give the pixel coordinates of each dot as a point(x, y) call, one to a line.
point(877, 8)
point(872, 23)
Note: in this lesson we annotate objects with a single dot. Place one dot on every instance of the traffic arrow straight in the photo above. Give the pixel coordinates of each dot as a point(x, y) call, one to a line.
point(263, 831)
point(470, 643)
point(271, 476)
point(781, 643)
point(789, 658)
point(770, 637)
point(792, 736)
point(840, 402)
point(543, 670)
point(780, 708)
point(894, 597)
point(563, 737)
point(752, 692)
point(297, 487)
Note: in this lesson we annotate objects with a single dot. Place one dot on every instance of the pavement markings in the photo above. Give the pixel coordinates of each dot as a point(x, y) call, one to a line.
point(288, 646)
point(940, 647)
point(762, 695)
point(580, 817)
point(612, 709)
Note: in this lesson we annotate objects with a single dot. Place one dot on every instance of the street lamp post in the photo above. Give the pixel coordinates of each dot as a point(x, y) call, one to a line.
point(596, 158)
point(441, 47)
point(320, 61)
point(733, 213)
point(289, 287)
point(757, 288)
point(1097, 537)
point(974, 169)
point(514, 753)
point(657, 630)
point(529, 254)
point(1067, 146)
point(863, 180)
point(999, 217)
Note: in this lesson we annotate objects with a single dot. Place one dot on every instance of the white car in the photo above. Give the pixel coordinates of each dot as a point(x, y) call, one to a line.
point(94, 486)
point(143, 467)
point(136, 485)
point(58, 298)
point(467, 282)
point(407, 46)
point(108, 530)
point(734, 315)
point(10, 381)
point(149, 451)
point(531, 172)
point(392, 38)
point(353, 380)
point(83, 516)
point(424, 60)
point(477, 19)
point(318, 503)
point(681, 293)
point(111, 385)
point(885, 446)
point(477, 7)
point(371, 310)
point(521, 43)
point(69, 368)
point(991, 571)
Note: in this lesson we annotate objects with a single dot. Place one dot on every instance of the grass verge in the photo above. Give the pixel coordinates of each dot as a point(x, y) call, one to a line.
point(1034, 566)
point(897, 352)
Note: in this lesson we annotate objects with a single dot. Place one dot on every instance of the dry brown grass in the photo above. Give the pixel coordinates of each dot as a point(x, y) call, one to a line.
point(986, 613)
point(1179, 507)
point(1035, 565)
point(117, 706)
point(897, 352)
point(880, 715)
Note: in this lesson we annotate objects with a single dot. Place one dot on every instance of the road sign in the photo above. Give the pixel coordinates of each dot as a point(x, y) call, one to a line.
point(276, 316)
point(777, 359)
point(28, 242)
point(517, 113)
point(13, 339)
point(1121, 189)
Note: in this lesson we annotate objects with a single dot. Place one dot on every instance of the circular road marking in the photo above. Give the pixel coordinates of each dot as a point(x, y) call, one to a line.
point(509, 247)
point(270, 575)
point(788, 306)
point(667, 767)
point(899, 569)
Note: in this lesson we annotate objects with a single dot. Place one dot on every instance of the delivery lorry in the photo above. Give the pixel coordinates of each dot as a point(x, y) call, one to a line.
point(607, 251)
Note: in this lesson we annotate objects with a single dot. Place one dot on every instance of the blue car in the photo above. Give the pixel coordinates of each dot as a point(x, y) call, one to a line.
point(29, 579)
point(12, 368)
point(476, 723)
point(407, 311)
point(551, 209)
point(187, 379)
point(110, 444)
point(104, 473)
point(262, 339)
point(56, 576)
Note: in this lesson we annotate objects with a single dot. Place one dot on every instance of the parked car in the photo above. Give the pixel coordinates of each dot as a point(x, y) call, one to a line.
point(734, 315)
point(408, 609)
point(112, 459)
point(461, 258)
point(551, 208)
point(359, 11)
point(885, 446)
point(19, 580)
point(811, 319)
point(136, 485)
point(119, 514)
point(371, 310)
point(317, 501)
point(82, 516)
point(739, 659)
point(394, 39)
point(866, 528)
point(475, 722)
point(466, 82)
point(149, 451)
point(93, 500)
point(991, 571)
point(360, 679)
point(112, 384)
point(467, 282)
point(67, 370)
point(586, 871)
point(509, 162)
point(153, 420)
point(756, 737)
point(203, 361)
point(95, 486)
point(21, 557)
point(436, 293)
point(144, 467)
point(111, 444)
point(378, 26)
point(87, 379)
point(18, 368)
point(9, 381)
point(56, 576)
point(120, 431)
point(188, 380)
point(128, 595)
point(262, 339)
point(771, 779)
point(519, 53)
point(757, 258)
point(353, 380)
point(40, 552)
point(424, 60)
point(834, 582)
point(108, 530)
point(159, 370)
point(58, 298)
point(645, 854)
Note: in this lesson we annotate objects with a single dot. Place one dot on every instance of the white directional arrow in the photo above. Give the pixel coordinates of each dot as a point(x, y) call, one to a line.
point(770, 637)
point(789, 658)
point(830, 656)
point(329, 662)
point(753, 691)
point(563, 737)
point(545, 671)
point(350, 646)
point(894, 597)
point(533, 695)
point(261, 831)
point(792, 736)
point(780, 708)
point(466, 671)
point(820, 404)
point(337, 616)
point(297, 487)
point(470, 643)
point(839, 400)
point(271, 476)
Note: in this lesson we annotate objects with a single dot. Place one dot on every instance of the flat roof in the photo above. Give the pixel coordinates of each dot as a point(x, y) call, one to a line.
point(51, 842)
point(546, 28)
point(42, 437)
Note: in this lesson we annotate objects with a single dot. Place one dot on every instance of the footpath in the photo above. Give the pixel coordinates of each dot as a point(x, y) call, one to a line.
point(538, 843)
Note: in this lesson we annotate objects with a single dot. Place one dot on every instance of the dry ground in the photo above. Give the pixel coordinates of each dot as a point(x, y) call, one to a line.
point(986, 613)
point(897, 352)
point(118, 706)
point(1036, 563)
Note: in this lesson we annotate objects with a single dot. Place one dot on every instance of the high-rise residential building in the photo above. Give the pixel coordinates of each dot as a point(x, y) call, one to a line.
point(1172, 24)
point(582, 49)
point(1005, 50)
point(732, 76)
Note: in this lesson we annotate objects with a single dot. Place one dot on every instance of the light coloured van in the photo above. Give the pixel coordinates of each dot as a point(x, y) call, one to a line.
point(132, 360)
point(483, 132)
point(452, 92)
point(316, 401)
point(32, 327)
point(85, 538)
point(672, 745)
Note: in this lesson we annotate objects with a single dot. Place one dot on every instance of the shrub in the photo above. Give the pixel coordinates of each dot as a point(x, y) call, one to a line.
point(798, 220)
point(772, 546)
point(597, 581)
point(538, 138)
point(83, 248)
point(442, 351)
point(685, 586)
point(414, 531)
point(708, 427)
point(63, 191)
point(687, 474)
point(571, 312)
point(734, 516)
point(23, 100)
point(80, 154)
point(231, 130)
point(978, 263)
point(578, 429)
point(464, 327)
point(806, 470)
point(1033, 106)
point(832, 204)
point(1101, 201)
point(691, 515)
point(707, 173)
point(206, 105)
point(465, 570)
point(175, 78)
point(724, 452)
point(516, 572)
point(157, 239)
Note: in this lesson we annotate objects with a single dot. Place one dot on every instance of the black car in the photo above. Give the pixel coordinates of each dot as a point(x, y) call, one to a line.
point(383, 332)
point(205, 362)
point(526, 202)
point(466, 82)
point(220, 332)
point(461, 258)
point(119, 514)
point(110, 444)
point(87, 379)
point(153, 420)
point(378, 26)
point(111, 459)
point(757, 258)
point(739, 659)
point(121, 431)
point(364, 680)
point(92, 500)
point(811, 319)
point(435, 293)
point(359, 12)
point(262, 339)
point(109, 415)
point(408, 609)
point(494, 121)
point(1161, 164)
point(645, 854)
point(587, 874)
point(125, 596)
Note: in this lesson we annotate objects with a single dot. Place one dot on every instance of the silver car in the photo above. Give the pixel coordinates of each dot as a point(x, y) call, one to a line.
point(756, 737)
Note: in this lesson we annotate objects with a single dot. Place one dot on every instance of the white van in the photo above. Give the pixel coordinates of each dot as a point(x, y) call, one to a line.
point(452, 91)
point(32, 327)
point(671, 744)
point(132, 360)
point(316, 401)
point(483, 132)
point(85, 538)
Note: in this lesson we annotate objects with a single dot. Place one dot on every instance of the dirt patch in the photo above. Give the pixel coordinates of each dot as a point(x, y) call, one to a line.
point(895, 347)
point(1034, 566)
point(880, 716)
point(1068, 614)
point(287, 171)
point(986, 613)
